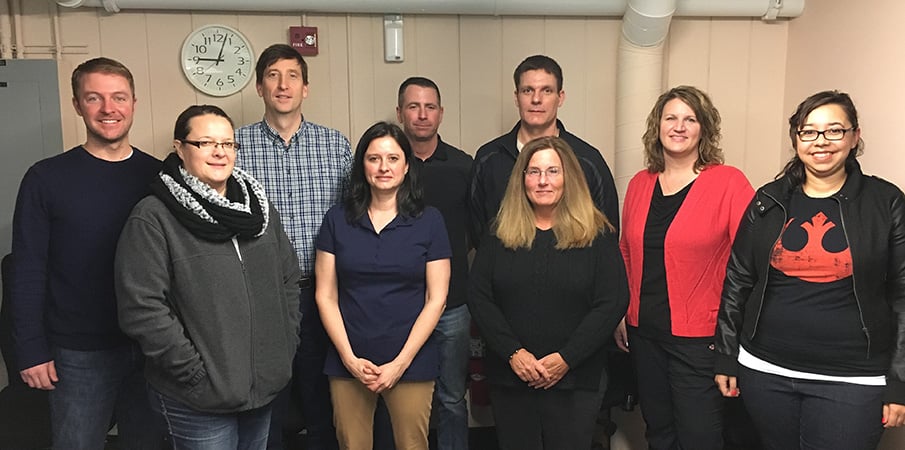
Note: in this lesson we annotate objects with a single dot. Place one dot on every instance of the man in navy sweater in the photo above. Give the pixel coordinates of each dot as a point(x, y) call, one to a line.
point(69, 213)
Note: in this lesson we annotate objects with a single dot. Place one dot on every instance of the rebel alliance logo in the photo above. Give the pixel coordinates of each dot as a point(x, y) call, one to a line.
point(812, 263)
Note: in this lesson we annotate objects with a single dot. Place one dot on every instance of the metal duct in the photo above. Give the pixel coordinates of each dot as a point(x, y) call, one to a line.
point(612, 8)
point(639, 69)
point(6, 31)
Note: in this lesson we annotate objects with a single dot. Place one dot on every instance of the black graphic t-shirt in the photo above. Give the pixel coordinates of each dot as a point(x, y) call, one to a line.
point(810, 320)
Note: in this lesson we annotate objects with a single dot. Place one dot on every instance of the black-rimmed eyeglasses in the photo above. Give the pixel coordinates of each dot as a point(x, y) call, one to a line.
point(832, 134)
point(211, 145)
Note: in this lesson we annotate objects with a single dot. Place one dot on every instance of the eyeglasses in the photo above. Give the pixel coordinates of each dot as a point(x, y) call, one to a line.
point(211, 145)
point(832, 134)
point(550, 172)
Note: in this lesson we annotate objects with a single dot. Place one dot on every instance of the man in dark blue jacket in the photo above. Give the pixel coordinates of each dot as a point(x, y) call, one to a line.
point(538, 95)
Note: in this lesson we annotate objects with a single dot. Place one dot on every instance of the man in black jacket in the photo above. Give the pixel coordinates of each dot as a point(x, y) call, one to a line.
point(538, 94)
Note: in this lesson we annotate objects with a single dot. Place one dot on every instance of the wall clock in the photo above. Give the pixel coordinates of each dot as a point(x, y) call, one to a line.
point(217, 60)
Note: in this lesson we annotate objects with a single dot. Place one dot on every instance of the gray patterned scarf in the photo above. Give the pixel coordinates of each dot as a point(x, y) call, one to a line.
point(244, 212)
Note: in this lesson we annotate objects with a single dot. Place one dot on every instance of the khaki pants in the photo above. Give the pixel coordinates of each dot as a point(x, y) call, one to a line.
point(409, 405)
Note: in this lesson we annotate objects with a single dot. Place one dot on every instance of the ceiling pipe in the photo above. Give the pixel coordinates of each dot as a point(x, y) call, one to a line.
point(611, 8)
point(6, 31)
point(18, 39)
point(639, 72)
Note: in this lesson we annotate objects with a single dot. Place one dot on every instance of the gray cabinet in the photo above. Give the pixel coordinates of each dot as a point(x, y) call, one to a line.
point(30, 128)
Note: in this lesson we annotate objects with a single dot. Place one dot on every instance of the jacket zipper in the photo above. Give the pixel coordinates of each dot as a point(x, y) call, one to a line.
point(854, 282)
point(766, 274)
point(250, 315)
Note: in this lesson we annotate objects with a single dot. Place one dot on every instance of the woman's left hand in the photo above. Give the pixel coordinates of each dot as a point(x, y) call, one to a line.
point(893, 415)
point(556, 368)
point(390, 373)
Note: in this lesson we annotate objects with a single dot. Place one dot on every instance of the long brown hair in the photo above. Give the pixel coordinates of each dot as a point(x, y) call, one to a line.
point(577, 222)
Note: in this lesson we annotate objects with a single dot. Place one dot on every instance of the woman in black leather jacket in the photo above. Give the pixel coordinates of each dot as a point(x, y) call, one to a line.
point(812, 321)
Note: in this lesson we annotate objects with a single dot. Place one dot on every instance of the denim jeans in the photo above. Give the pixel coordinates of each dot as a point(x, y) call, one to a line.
point(791, 413)
point(97, 388)
point(451, 414)
point(195, 430)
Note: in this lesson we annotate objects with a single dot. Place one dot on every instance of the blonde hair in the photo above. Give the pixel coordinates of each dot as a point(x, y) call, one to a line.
point(576, 221)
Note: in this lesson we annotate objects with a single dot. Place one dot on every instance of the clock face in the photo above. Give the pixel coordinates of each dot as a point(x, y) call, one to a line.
point(217, 60)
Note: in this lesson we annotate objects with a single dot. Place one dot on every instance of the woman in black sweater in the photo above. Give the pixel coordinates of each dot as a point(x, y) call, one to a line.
point(547, 288)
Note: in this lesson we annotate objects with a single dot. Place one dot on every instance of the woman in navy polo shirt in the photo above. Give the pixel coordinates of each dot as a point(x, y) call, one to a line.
point(382, 274)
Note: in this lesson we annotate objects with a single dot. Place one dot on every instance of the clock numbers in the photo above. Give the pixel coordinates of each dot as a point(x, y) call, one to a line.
point(217, 60)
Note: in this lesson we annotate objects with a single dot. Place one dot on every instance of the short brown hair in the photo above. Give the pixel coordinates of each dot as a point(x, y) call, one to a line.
point(539, 62)
point(100, 65)
point(278, 52)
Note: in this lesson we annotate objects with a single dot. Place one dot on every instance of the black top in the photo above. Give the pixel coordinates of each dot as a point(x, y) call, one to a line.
point(811, 277)
point(493, 166)
point(444, 177)
point(873, 220)
point(548, 300)
point(653, 309)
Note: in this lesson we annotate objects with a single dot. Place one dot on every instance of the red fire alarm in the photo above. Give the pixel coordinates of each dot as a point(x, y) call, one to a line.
point(304, 40)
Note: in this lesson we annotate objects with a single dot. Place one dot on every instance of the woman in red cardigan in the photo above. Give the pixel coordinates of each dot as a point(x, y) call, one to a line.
point(680, 218)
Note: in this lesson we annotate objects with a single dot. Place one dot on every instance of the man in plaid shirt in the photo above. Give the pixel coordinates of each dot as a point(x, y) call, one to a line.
point(304, 168)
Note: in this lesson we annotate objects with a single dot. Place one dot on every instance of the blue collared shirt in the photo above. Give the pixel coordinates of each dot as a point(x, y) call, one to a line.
point(302, 179)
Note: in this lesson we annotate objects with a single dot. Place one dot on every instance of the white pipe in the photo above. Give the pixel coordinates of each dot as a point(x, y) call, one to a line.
point(639, 82)
point(6, 31)
point(55, 32)
point(18, 39)
point(612, 8)
point(733, 8)
point(646, 22)
point(639, 71)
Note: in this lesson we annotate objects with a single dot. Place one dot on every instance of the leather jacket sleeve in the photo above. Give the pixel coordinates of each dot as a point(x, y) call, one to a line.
point(895, 293)
point(741, 276)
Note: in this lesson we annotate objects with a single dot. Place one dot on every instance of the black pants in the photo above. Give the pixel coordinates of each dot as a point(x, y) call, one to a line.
point(804, 414)
point(309, 390)
point(681, 405)
point(529, 419)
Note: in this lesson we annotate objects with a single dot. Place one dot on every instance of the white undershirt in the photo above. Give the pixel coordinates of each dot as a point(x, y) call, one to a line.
point(754, 363)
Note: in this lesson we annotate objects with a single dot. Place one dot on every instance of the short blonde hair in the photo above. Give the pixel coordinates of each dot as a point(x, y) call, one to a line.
point(577, 221)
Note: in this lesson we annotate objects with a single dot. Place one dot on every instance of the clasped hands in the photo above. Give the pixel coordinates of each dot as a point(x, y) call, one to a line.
point(541, 373)
point(376, 378)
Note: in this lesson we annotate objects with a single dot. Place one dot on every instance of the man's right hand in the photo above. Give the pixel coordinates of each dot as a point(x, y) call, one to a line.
point(42, 376)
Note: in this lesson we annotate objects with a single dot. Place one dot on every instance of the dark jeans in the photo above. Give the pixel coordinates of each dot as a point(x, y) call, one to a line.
point(95, 388)
point(453, 339)
point(195, 430)
point(538, 419)
point(792, 413)
point(681, 405)
point(309, 389)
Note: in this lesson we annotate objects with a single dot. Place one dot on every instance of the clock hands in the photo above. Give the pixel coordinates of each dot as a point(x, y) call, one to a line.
point(222, 46)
